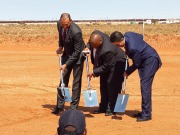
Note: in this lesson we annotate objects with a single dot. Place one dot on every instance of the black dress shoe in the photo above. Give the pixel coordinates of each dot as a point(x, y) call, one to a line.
point(99, 111)
point(137, 115)
point(57, 110)
point(140, 119)
point(108, 112)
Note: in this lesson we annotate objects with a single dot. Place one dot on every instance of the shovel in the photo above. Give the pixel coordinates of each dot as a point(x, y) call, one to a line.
point(122, 98)
point(63, 92)
point(90, 96)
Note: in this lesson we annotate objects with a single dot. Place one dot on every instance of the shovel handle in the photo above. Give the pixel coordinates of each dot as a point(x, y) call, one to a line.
point(87, 71)
point(61, 74)
point(124, 83)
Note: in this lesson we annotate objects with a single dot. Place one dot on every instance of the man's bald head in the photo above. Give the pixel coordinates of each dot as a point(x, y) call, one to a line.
point(65, 16)
point(95, 40)
point(65, 20)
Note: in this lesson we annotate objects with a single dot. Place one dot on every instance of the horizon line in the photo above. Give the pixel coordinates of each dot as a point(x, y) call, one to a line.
point(86, 20)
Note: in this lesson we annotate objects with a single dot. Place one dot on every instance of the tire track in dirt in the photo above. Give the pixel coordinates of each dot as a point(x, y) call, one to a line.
point(24, 120)
point(25, 86)
point(19, 60)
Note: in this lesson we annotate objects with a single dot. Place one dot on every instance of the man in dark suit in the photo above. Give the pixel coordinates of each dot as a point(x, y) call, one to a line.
point(71, 45)
point(147, 61)
point(109, 64)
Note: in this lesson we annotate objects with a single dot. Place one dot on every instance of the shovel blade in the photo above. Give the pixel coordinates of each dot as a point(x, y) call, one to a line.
point(90, 98)
point(64, 94)
point(121, 103)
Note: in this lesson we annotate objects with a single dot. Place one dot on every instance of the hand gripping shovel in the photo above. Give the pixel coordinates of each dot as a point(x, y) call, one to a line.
point(90, 96)
point(63, 92)
point(122, 99)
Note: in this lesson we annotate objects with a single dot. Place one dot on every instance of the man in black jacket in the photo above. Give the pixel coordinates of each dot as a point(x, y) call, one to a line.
point(109, 64)
point(71, 45)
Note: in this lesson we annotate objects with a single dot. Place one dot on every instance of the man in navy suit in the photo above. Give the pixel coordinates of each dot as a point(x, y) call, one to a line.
point(109, 64)
point(71, 45)
point(146, 60)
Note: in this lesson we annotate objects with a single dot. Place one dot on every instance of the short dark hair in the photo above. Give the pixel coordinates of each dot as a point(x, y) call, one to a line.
point(116, 36)
point(72, 122)
point(68, 130)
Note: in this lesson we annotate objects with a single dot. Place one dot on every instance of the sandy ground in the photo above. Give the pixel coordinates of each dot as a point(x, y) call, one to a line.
point(28, 81)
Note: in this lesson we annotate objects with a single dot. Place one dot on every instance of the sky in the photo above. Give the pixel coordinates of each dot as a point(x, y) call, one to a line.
point(11, 10)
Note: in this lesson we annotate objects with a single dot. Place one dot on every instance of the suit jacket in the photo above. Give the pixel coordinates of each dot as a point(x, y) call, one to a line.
point(108, 55)
point(139, 51)
point(73, 46)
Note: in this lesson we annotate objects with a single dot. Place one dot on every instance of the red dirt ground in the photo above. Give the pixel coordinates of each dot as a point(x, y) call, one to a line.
point(28, 81)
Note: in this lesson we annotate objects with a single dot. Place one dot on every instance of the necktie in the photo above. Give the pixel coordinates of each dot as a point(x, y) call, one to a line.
point(64, 35)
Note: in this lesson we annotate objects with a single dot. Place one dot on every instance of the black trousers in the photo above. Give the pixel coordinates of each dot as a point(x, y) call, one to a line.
point(76, 86)
point(111, 85)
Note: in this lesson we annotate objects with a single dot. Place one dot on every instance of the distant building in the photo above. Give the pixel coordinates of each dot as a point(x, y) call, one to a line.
point(169, 21)
point(148, 22)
